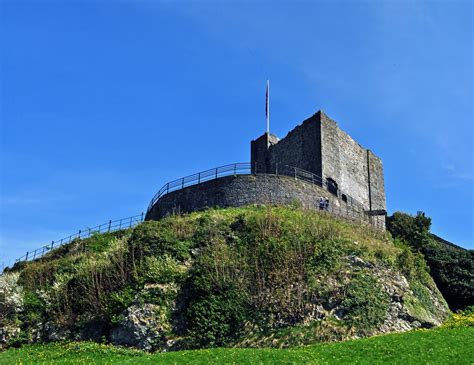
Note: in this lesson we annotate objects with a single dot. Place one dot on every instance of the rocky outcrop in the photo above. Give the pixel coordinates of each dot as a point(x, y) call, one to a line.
point(7, 332)
point(90, 328)
point(50, 331)
point(143, 326)
point(247, 277)
point(404, 313)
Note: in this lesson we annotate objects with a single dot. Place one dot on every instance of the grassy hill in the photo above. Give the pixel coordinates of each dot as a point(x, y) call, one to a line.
point(243, 277)
point(438, 346)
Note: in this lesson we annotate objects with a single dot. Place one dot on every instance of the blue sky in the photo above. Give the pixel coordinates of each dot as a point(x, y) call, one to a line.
point(102, 102)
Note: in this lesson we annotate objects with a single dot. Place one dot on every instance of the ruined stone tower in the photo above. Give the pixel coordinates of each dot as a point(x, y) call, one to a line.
point(320, 147)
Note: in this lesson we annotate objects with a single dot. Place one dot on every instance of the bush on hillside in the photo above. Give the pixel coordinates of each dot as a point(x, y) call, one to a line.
point(366, 303)
point(452, 268)
point(11, 296)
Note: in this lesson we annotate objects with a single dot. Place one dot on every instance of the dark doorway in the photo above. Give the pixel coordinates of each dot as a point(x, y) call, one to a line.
point(332, 186)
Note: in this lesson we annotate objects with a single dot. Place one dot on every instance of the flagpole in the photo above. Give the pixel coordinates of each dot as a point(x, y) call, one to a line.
point(267, 106)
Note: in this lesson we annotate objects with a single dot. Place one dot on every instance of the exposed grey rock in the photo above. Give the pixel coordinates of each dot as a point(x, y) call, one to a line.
point(143, 326)
point(50, 331)
point(357, 261)
point(401, 315)
point(7, 332)
point(89, 328)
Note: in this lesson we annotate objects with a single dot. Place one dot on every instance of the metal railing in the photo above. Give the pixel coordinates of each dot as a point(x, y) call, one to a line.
point(110, 226)
point(307, 176)
point(242, 168)
point(352, 208)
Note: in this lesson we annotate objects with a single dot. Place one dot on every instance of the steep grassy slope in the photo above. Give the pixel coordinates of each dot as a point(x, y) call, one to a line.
point(255, 276)
point(439, 346)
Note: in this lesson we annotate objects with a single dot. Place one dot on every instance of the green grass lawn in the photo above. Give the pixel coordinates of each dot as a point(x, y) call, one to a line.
point(438, 346)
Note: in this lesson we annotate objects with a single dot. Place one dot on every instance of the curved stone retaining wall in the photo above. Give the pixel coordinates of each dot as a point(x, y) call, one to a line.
point(241, 190)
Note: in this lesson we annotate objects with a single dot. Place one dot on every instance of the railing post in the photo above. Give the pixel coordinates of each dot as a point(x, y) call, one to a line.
point(120, 224)
point(182, 183)
point(235, 169)
point(34, 254)
point(167, 188)
point(216, 172)
point(130, 223)
point(110, 223)
point(26, 258)
point(79, 234)
point(199, 177)
point(52, 244)
point(141, 220)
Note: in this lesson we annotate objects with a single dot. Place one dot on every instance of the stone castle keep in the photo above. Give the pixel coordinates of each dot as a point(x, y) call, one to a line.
point(316, 159)
point(320, 147)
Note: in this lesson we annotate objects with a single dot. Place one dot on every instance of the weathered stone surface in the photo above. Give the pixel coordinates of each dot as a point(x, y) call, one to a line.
point(51, 331)
point(88, 327)
point(143, 326)
point(241, 190)
point(400, 316)
point(7, 332)
point(318, 145)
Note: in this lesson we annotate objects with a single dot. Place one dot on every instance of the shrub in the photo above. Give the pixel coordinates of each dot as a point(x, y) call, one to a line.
point(411, 229)
point(117, 302)
point(11, 296)
point(162, 270)
point(34, 307)
point(154, 238)
point(412, 264)
point(98, 275)
point(461, 319)
point(327, 255)
point(100, 242)
point(452, 268)
point(214, 319)
point(365, 302)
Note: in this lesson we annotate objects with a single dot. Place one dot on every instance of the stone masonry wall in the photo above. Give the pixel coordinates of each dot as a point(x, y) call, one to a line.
point(259, 155)
point(300, 148)
point(241, 190)
point(345, 161)
point(318, 145)
point(377, 188)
